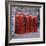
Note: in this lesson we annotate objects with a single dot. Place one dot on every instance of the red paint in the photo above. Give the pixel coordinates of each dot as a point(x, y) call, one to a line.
point(27, 24)
point(21, 25)
point(30, 24)
point(16, 23)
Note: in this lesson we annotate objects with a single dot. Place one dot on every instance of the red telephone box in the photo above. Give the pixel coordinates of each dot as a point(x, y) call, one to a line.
point(30, 23)
point(27, 24)
point(20, 23)
point(35, 19)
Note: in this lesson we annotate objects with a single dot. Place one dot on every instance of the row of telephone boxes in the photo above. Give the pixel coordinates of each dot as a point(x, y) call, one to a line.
point(25, 23)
